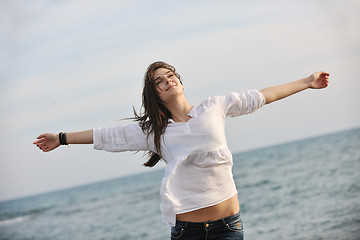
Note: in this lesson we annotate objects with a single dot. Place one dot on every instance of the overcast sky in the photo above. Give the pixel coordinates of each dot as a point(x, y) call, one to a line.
point(74, 65)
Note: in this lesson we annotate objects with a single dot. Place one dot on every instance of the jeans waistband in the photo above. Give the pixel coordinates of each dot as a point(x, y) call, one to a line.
point(208, 224)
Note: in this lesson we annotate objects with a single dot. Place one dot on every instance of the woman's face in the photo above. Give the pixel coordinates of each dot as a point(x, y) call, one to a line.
point(167, 84)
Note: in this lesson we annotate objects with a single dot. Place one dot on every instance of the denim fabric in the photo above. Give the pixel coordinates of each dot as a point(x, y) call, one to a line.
point(229, 228)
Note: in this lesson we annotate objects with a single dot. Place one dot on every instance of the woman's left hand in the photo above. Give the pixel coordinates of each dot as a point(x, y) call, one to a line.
point(319, 80)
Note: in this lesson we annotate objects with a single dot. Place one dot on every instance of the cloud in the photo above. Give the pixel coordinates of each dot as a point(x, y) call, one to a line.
point(26, 19)
point(238, 57)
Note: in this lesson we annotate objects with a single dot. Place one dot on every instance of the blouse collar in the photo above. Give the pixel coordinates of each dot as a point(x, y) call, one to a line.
point(191, 114)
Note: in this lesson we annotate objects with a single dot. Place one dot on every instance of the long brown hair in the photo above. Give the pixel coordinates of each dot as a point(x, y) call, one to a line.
point(154, 116)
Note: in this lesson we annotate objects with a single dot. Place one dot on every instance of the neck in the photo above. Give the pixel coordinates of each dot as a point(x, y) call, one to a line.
point(179, 109)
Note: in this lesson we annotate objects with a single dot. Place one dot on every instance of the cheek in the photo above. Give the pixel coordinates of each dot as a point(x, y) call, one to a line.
point(161, 87)
point(159, 90)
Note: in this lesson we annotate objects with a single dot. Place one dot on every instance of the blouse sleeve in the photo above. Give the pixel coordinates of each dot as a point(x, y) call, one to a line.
point(120, 138)
point(237, 104)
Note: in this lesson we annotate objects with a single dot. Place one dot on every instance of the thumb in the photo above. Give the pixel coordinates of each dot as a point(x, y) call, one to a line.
point(41, 136)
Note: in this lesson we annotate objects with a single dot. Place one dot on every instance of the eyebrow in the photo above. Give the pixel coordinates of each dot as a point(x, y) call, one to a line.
point(162, 75)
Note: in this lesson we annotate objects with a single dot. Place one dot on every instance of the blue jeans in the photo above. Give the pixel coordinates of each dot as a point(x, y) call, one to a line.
point(229, 228)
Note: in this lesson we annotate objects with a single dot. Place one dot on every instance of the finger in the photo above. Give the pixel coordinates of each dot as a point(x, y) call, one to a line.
point(41, 148)
point(42, 136)
point(325, 83)
point(41, 145)
point(39, 141)
point(46, 149)
point(325, 74)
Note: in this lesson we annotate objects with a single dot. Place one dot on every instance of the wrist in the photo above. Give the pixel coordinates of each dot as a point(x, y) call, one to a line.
point(55, 136)
point(307, 82)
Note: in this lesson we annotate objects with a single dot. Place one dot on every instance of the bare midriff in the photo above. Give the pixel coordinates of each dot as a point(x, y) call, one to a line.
point(224, 209)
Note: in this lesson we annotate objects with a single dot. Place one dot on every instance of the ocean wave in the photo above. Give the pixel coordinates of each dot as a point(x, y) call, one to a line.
point(14, 220)
point(256, 184)
point(20, 216)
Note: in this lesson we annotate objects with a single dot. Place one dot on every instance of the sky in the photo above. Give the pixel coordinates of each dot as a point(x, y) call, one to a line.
point(75, 65)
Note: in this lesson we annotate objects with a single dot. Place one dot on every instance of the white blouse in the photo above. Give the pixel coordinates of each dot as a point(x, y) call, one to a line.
point(198, 173)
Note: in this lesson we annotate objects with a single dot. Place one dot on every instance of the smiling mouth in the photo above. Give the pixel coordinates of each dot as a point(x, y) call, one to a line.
point(170, 87)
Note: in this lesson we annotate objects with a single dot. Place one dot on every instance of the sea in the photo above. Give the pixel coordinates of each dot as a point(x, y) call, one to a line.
point(307, 189)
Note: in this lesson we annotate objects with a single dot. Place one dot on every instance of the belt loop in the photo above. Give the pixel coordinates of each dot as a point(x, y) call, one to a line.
point(225, 223)
point(186, 225)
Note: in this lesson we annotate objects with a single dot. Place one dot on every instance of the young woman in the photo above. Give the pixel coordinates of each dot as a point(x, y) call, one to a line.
point(199, 197)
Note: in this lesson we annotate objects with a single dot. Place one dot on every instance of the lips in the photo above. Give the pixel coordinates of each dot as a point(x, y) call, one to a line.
point(170, 87)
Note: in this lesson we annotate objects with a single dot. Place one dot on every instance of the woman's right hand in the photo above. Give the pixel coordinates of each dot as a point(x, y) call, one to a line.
point(47, 141)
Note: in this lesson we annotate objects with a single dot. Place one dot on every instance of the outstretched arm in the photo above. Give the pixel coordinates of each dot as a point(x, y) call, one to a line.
point(316, 81)
point(49, 141)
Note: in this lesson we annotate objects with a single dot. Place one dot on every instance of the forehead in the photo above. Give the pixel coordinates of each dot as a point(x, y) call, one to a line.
point(160, 72)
